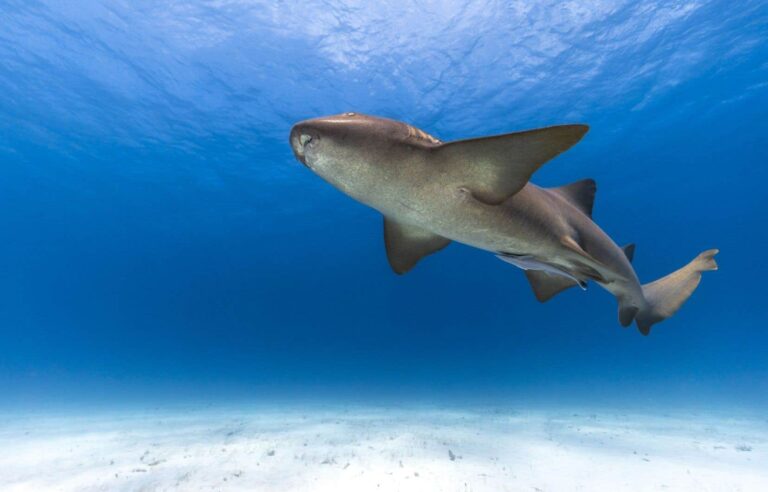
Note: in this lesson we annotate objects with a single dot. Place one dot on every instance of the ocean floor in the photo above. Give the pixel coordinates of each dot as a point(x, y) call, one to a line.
point(314, 448)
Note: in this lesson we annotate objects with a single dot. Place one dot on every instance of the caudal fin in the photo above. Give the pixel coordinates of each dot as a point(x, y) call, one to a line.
point(667, 294)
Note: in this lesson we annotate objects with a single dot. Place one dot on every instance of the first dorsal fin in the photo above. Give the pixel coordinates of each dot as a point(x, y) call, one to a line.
point(407, 244)
point(495, 168)
point(629, 251)
point(581, 194)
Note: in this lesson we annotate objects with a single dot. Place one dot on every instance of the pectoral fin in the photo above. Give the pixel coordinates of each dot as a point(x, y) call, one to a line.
point(497, 167)
point(407, 244)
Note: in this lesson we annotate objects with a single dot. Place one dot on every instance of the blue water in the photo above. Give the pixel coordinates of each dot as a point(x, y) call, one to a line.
point(159, 240)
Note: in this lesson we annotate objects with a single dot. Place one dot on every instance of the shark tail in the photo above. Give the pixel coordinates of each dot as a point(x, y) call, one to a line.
point(665, 295)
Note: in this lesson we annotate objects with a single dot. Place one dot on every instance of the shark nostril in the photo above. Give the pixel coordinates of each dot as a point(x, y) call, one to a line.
point(305, 139)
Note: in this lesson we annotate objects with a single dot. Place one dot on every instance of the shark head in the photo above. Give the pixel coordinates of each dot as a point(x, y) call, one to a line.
point(351, 151)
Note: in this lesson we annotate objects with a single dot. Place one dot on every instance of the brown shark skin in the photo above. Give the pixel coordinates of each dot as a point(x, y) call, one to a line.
point(396, 169)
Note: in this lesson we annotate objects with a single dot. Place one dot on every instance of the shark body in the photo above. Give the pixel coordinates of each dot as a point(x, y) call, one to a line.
point(477, 192)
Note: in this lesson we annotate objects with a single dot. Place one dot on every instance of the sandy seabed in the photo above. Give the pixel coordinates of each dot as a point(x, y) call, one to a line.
point(295, 448)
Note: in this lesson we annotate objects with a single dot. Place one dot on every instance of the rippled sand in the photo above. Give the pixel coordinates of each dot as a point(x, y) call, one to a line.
point(363, 448)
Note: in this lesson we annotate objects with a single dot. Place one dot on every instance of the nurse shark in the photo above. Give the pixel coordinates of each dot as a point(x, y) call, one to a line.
point(477, 192)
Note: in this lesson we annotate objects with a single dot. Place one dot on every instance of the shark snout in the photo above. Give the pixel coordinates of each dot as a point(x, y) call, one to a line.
point(302, 139)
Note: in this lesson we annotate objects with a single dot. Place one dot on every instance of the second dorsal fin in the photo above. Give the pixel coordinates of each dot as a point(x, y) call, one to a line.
point(580, 193)
point(545, 285)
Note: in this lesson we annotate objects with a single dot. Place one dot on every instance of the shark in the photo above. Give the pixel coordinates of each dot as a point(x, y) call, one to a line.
point(477, 192)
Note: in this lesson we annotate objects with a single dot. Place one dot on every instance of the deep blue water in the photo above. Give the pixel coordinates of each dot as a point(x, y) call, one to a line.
point(158, 239)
